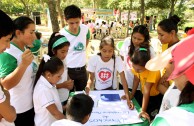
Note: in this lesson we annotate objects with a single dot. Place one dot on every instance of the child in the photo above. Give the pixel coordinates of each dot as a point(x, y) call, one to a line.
point(46, 100)
point(78, 111)
point(78, 35)
point(103, 68)
point(7, 112)
point(58, 46)
point(17, 71)
point(148, 81)
point(140, 36)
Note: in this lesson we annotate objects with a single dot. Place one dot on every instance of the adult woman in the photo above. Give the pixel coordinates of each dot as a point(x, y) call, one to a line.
point(167, 34)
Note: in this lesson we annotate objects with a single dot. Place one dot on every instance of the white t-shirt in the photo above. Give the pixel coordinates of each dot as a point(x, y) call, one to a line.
point(44, 95)
point(76, 56)
point(170, 98)
point(127, 62)
point(63, 92)
point(3, 122)
point(21, 94)
point(65, 122)
point(104, 71)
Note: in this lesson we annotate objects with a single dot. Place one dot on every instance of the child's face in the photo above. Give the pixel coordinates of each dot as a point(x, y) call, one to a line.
point(107, 52)
point(163, 36)
point(54, 78)
point(137, 39)
point(73, 24)
point(62, 53)
point(138, 68)
point(5, 42)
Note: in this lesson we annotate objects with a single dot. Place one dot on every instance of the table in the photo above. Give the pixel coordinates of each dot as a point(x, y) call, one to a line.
point(113, 113)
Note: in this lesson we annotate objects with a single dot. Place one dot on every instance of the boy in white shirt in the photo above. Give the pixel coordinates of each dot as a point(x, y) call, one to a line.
point(78, 35)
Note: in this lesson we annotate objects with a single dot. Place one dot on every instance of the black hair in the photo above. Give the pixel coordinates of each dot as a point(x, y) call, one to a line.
point(53, 66)
point(72, 11)
point(169, 24)
point(107, 40)
point(141, 56)
point(38, 35)
point(52, 40)
point(187, 29)
point(6, 24)
point(79, 106)
point(21, 23)
point(187, 94)
point(143, 31)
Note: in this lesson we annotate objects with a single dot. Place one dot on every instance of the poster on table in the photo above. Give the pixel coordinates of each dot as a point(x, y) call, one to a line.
point(110, 110)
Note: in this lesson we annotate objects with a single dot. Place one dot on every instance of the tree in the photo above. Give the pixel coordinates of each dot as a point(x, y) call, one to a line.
point(26, 6)
point(60, 13)
point(53, 15)
point(172, 5)
point(142, 11)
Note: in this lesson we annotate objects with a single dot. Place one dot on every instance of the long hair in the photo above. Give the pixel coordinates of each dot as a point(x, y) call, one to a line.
point(143, 31)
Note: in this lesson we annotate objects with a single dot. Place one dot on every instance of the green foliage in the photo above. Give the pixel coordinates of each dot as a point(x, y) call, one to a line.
point(113, 4)
point(160, 4)
point(10, 8)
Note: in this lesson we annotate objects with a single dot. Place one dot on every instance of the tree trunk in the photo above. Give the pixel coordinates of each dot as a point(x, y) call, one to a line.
point(173, 2)
point(128, 18)
point(94, 4)
point(120, 11)
point(180, 6)
point(60, 13)
point(53, 15)
point(142, 11)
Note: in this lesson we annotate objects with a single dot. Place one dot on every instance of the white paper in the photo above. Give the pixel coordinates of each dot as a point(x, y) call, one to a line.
point(111, 113)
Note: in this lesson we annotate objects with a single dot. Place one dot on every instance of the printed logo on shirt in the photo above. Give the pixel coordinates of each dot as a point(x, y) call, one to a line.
point(35, 69)
point(104, 75)
point(79, 47)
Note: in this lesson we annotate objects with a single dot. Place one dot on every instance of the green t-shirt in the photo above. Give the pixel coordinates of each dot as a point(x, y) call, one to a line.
point(159, 121)
point(8, 64)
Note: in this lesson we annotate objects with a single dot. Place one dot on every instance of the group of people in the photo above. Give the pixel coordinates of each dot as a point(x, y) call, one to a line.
point(32, 94)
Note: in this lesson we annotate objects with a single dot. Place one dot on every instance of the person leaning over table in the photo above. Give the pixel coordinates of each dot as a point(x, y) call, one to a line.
point(183, 72)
